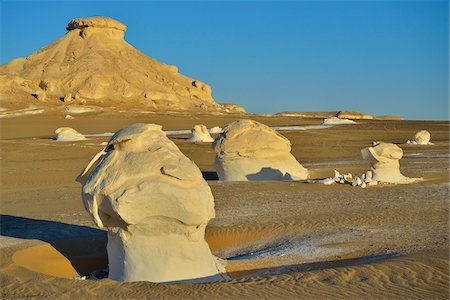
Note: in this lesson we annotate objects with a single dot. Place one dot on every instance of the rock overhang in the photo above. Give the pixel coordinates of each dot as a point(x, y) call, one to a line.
point(96, 22)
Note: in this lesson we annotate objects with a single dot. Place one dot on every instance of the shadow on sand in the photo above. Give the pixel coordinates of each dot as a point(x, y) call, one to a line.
point(83, 246)
point(210, 175)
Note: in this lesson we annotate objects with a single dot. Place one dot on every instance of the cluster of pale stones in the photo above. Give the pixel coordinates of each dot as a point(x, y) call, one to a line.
point(155, 203)
point(385, 161)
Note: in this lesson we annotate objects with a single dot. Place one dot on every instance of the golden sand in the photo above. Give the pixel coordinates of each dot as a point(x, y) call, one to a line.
point(287, 239)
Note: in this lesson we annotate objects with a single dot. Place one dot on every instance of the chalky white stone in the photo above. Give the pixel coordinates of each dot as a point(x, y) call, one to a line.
point(247, 150)
point(155, 204)
point(385, 161)
point(200, 134)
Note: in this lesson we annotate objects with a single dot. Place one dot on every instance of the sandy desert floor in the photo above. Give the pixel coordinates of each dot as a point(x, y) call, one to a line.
point(282, 240)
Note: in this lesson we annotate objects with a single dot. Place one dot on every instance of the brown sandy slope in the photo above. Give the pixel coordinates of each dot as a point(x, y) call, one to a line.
point(307, 240)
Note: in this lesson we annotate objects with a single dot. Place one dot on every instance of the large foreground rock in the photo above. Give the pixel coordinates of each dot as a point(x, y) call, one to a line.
point(93, 64)
point(155, 204)
point(247, 150)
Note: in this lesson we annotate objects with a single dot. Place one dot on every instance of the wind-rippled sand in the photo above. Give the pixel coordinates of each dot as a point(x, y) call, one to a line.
point(283, 240)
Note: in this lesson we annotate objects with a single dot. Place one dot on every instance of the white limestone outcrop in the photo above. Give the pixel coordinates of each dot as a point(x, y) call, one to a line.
point(200, 134)
point(385, 161)
point(247, 150)
point(66, 134)
point(155, 204)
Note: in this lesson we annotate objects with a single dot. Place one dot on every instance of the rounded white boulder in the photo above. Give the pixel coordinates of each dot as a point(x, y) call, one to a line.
point(247, 150)
point(422, 137)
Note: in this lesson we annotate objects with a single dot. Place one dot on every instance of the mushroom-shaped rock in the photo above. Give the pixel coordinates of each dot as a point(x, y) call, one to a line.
point(200, 134)
point(422, 137)
point(65, 134)
point(155, 204)
point(247, 150)
point(385, 161)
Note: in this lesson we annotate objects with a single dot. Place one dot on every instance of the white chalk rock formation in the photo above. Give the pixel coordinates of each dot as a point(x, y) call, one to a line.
point(66, 134)
point(155, 204)
point(215, 130)
point(247, 150)
point(93, 62)
point(200, 134)
point(422, 137)
point(385, 161)
point(337, 121)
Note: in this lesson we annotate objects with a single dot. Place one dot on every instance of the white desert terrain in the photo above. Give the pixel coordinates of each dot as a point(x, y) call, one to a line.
point(151, 208)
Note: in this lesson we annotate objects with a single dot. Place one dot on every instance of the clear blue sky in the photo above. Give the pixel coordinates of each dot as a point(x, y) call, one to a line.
point(377, 57)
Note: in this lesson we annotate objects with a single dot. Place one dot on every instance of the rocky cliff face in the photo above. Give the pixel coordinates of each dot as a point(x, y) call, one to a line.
point(92, 63)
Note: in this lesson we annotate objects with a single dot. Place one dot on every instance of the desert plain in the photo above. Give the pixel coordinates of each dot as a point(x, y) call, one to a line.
point(281, 240)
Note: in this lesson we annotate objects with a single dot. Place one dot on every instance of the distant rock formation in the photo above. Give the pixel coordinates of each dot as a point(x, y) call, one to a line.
point(93, 64)
point(337, 121)
point(313, 115)
point(200, 134)
point(155, 204)
point(247, 150)
point(343, 114)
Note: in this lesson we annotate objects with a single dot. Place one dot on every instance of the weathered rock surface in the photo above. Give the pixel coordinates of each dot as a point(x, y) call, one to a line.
point(94, 63)
point(200, 134)
point(247, 150)
point(155, 204)
point(385, 161)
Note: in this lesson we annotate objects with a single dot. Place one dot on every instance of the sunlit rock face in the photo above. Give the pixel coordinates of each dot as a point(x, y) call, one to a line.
point(247, 150)
point(93, 64)
point(200, 134)
point(422, 137)
point(155, 204)
point(385, 161)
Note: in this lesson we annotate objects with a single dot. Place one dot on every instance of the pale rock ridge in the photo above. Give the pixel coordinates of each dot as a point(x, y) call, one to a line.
point(247, 150)
point(93, 64)
point(385, 161)
point(155, 204)
point(337, 121)
point(200, 134)
point(101, 22)
point(65, 134)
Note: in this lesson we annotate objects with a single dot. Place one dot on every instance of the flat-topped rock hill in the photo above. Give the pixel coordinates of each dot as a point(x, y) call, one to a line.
point(93, 64)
